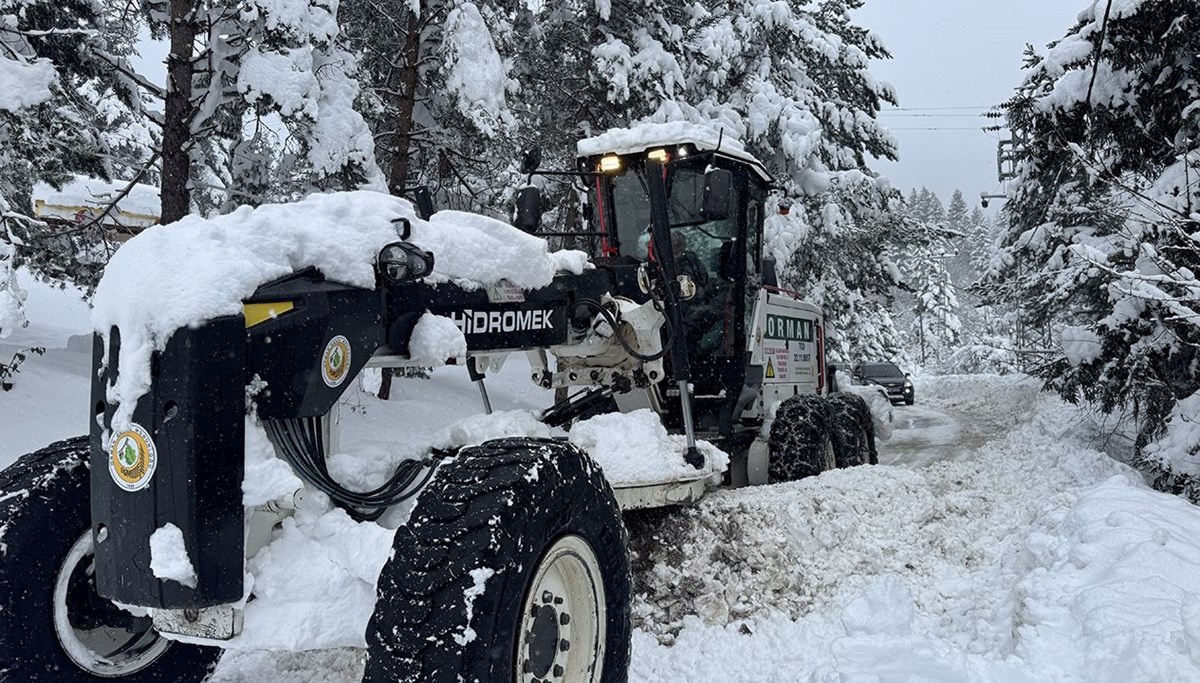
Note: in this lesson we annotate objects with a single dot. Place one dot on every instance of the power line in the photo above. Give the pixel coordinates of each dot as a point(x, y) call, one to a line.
point(982, 106)
point(966, 128)
point(889, 114)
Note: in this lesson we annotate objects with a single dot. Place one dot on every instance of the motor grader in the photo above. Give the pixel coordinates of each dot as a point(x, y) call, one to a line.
point(679, 312)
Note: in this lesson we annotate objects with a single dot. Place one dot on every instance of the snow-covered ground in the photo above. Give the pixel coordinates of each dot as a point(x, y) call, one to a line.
point(995, 542)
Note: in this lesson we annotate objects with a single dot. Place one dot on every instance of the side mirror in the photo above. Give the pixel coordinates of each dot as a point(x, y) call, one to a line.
point(531, 160)
point(529, 209)
point(424, 203)
point(770, 274)
point(718, 190)
point(725, 261)
point(403, 261)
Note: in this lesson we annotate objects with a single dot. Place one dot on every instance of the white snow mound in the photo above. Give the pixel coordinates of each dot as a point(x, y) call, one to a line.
point(435, 339)
point(314, 585)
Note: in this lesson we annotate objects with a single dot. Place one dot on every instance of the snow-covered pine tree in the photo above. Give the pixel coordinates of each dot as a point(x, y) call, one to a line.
point(792, 81)
point(275, 60)
point(615, 62)
point(928, 309)
point(1102, 211)
point(958, 217)
point(958, 240)
point(437, 92)
point(936, 329)
point(54, 127)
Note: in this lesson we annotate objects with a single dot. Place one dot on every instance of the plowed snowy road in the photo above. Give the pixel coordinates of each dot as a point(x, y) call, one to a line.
point(951, 426)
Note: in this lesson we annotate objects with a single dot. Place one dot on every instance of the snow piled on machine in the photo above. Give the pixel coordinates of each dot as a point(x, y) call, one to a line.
point(435, 339)
point(635, 448)
point(643, 136)
point(169, 558)
point(197, 269)
point(631, 448)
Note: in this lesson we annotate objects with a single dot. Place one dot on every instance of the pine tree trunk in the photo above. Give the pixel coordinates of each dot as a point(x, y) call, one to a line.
point(405, 102)
point(176, 199)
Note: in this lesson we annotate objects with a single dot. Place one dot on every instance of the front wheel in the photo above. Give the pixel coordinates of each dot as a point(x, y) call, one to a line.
point(54, 626)
point(512, 568)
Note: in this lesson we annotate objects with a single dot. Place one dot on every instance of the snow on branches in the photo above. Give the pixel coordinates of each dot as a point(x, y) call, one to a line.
point(1105, 209)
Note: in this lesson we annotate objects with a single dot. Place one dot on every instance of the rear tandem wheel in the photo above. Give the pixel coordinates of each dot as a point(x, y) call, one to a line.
point(799, 442)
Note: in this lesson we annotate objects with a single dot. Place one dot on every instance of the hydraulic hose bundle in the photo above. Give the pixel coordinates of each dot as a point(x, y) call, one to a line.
point(301, 443)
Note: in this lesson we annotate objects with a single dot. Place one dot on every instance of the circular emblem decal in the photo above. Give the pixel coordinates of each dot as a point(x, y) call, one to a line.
point(335, 362)
point(132, 458)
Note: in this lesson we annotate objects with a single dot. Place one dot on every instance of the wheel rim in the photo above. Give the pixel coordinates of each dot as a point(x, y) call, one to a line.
point(562, 630)
point(97, 636)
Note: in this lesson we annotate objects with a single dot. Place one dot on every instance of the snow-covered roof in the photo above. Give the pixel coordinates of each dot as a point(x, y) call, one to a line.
point(83, 198)
point(645, 136)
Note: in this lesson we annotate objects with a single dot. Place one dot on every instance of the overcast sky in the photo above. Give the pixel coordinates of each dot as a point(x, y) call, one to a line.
point(955, 53)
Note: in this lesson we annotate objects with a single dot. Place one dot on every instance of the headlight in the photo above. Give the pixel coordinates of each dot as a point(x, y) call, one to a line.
point(402, 261)
point(610, 163)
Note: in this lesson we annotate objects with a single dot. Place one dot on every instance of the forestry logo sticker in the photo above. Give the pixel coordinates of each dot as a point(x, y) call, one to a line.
point(132, 458)
point(335, 362)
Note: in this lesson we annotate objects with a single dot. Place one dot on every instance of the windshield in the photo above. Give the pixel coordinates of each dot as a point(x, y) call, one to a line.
point(631, 206)
point(881, 371)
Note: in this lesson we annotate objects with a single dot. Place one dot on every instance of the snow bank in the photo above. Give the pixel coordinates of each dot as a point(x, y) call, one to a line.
point(314, 585)
point(1036, 559)
point(635, 448)
point(880, 405)
point(1111, 594)
point(169, 558)
point(197, 269)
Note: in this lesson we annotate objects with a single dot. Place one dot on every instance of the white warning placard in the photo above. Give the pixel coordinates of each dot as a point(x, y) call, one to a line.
point(788, 361)
point(778, 361)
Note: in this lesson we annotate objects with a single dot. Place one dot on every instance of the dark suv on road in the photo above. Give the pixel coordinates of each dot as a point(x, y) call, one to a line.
point(895, 381)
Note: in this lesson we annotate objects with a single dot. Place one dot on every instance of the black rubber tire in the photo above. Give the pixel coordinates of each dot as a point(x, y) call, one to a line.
point(852, 430)
point(799, 441)
point(44, 511)
point(910, 400)
point(500, 506)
